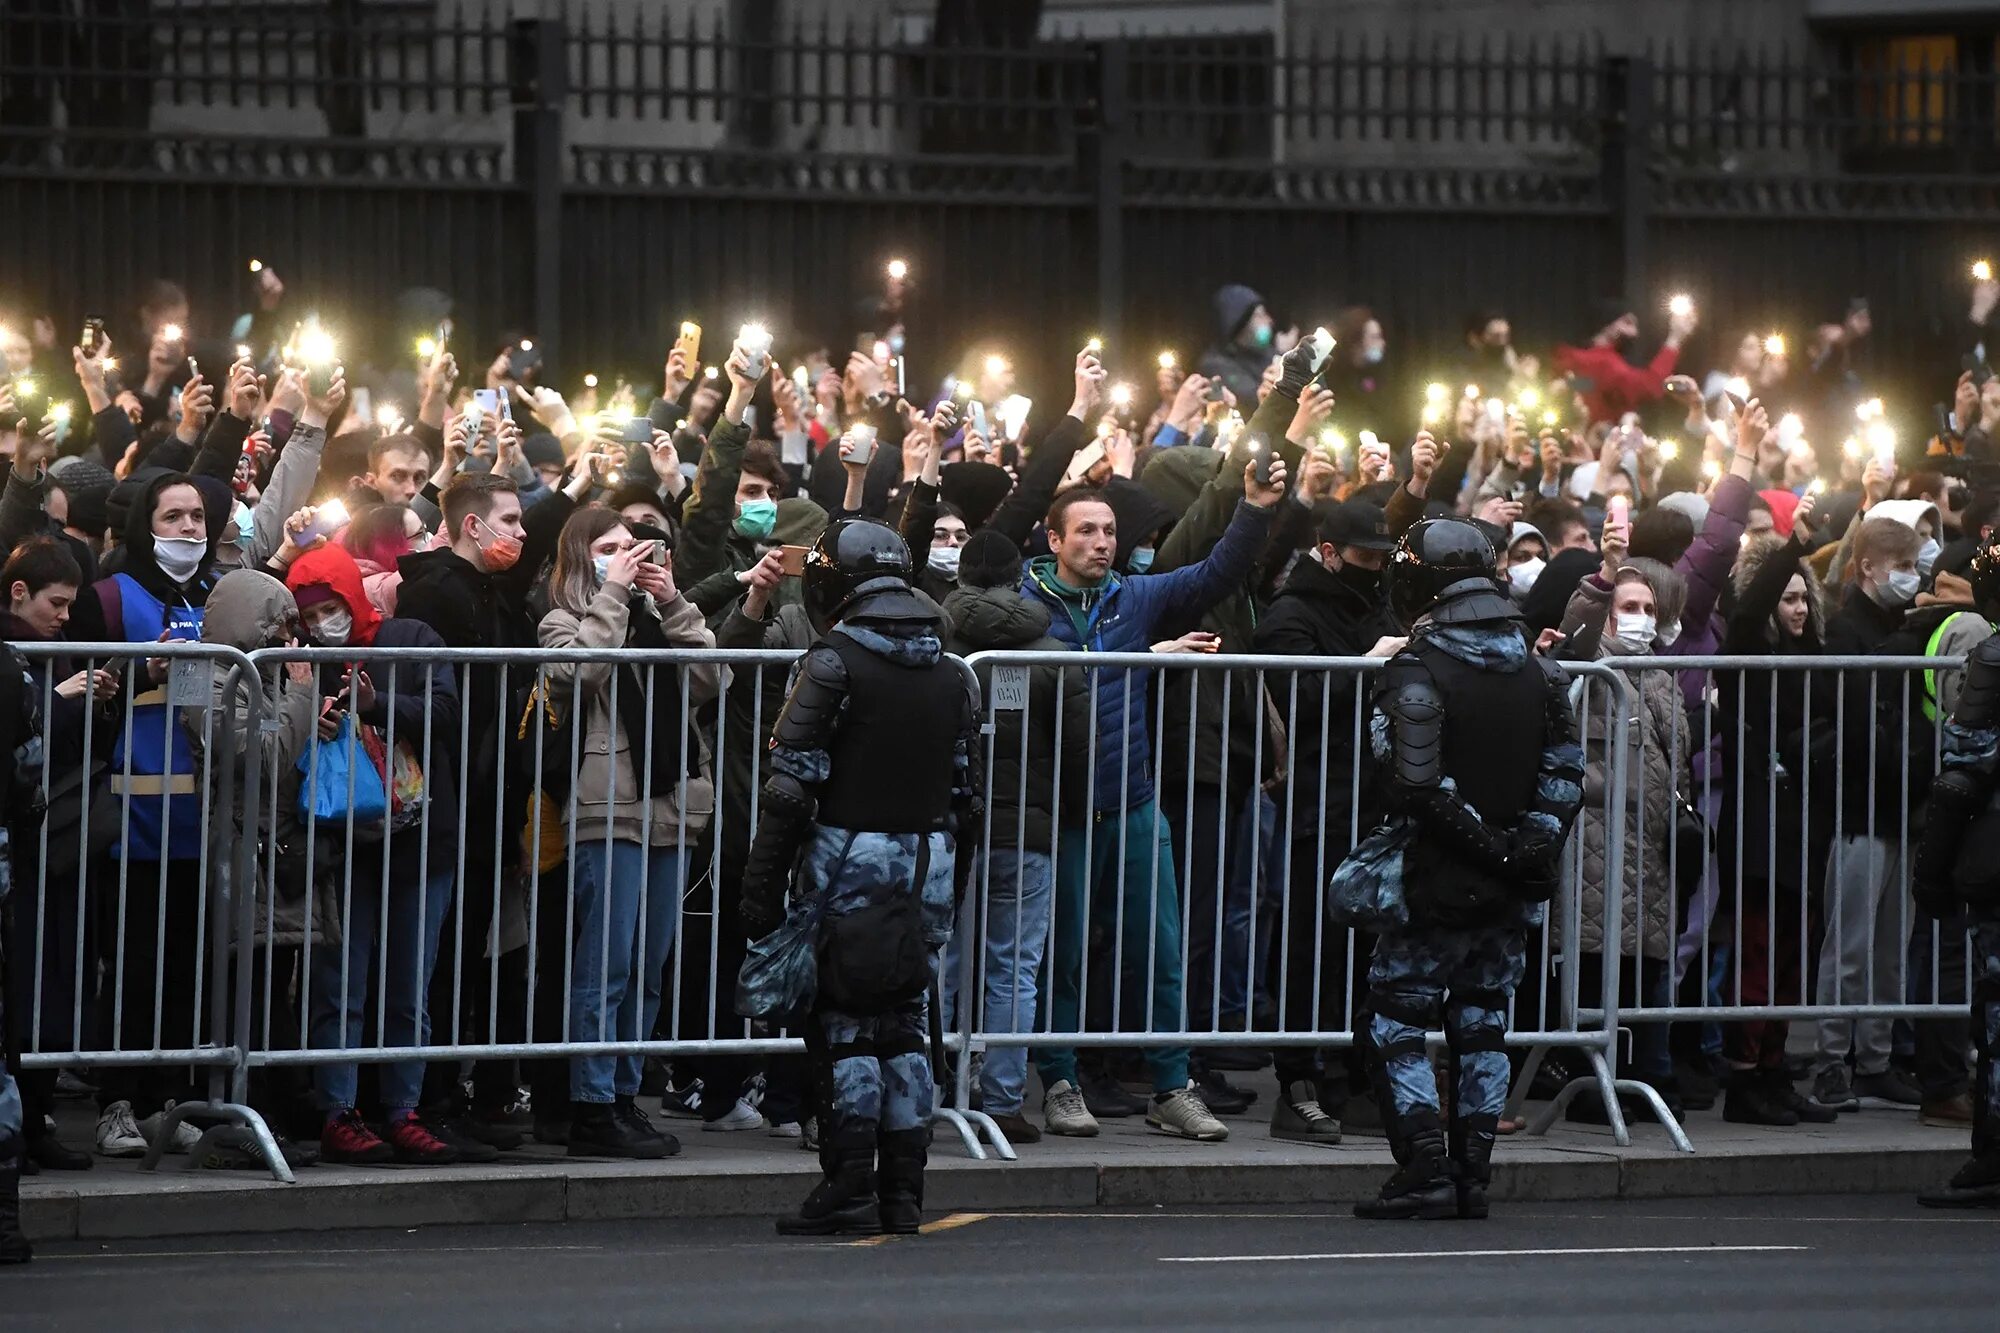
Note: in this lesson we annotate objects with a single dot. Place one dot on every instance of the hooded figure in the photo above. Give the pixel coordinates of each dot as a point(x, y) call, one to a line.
point(249, 610)
point(1228, 358)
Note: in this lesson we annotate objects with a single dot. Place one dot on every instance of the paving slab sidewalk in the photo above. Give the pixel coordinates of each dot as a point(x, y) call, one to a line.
point(738, 1174)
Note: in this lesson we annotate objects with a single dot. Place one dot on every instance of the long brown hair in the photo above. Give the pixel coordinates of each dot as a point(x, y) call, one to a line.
point(574, 582)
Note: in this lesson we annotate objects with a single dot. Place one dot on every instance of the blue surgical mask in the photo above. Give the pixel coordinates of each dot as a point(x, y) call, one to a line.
point(1372, 356)
point(1140, 560)
point(602, 564)
point(756, 518)
point(1262, 335)
point(246, 525)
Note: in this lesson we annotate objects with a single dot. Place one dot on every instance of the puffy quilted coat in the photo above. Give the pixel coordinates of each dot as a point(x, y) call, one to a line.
point(1656, 767)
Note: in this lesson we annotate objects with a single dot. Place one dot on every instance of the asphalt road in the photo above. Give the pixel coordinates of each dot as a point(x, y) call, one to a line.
point(1804, 1263)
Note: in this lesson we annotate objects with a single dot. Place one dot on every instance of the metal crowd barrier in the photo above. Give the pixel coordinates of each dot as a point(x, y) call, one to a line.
point(293, 974)
point(1800, 907)
point(1236, 853)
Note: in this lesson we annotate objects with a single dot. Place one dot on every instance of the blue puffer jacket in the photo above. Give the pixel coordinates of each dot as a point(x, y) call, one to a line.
point(1128, 614)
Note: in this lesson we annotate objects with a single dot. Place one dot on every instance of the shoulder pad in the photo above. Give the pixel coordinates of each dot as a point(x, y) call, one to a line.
point(1979, 700)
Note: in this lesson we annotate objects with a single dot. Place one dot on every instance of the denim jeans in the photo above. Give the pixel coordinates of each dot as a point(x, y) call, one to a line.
point(1123, 885)
point(398, 927)
point(1016, 932)
point(623, 936)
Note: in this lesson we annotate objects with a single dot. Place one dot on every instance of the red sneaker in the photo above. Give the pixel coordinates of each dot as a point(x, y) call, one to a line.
point(347, 1139)
point(413, 1142)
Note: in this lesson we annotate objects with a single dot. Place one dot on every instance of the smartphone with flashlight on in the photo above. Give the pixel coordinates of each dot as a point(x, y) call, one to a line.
point(1263, 455)
point(638, 430)
point(858, 445)
point(93, 337)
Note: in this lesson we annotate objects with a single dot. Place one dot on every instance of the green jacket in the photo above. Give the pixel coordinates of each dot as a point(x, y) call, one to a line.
point(1234, 618)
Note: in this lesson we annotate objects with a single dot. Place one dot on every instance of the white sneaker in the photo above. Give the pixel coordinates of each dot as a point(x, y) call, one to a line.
point(1063, 1112)
point(1184, 1115)
point(787, 1129)
point(741, 1116)
point(118, 1134)
point(185, 1137)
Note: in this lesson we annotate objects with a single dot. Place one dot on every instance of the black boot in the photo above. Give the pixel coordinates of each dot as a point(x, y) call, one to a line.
point(1977, 1183)
point(14, 1247)
point(844, 1200)
point(900, 1184)
point(1752, 1099)
point(1421, 1184)
point(596, 1130)
point(1472, 1161)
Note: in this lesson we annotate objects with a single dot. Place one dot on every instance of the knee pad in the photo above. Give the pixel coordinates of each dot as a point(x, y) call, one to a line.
point(1409, 1011)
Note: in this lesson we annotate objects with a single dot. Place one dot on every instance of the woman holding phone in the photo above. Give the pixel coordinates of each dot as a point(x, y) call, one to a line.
point(639, 797)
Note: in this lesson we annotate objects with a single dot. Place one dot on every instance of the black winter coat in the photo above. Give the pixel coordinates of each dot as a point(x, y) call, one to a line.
point(1318, 614)
point(983, 619)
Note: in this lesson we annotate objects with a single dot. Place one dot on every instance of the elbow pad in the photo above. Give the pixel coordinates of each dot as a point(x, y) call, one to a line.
point(1416, 720)
point(812, 710)
point(783, 821)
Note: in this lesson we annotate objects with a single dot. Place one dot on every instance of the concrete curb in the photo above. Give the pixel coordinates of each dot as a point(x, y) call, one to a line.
point(175, 1204)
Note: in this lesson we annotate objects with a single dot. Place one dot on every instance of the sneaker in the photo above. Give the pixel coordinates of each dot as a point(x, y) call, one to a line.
point(413, 1142)
point(1221, 1096)
point(1018, 1128)
point(1833, 1089)
point(70, 1085)
point(185, 1136)
point(1107, 1100)
point(741, 1116)
point(1299, 1118)
point(682, 1103)
point(1953, 1112)
point(347, 1140)
point(786, 1129)
point(1065, 1112)
point(1184, 1115)
point(1888, 1090)
point(118, 1133)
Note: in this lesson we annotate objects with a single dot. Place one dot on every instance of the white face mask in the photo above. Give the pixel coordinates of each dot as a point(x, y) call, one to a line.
point(1669, 632)
point(1522, 577)
point(944, 560)
point(334, 628)
point(179, 557)
point(1927, 556)
point(1900, 589)
point(1636, 630)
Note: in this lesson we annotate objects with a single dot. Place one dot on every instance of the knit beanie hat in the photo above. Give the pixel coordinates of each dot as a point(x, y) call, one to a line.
point(990, 560)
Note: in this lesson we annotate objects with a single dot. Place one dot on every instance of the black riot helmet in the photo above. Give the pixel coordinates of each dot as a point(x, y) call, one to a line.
point(852, 559)
point(1449, 570)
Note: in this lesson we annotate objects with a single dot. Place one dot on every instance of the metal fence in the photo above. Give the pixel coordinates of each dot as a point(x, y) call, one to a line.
point(235, 879)
point(598, 177)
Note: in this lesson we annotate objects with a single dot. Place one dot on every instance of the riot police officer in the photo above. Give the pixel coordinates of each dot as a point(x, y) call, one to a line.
point(1479, 753)
point(1958, 870)
point(873, 764)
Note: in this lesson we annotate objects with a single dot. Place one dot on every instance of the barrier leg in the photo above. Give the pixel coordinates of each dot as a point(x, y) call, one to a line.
point(239, 1120)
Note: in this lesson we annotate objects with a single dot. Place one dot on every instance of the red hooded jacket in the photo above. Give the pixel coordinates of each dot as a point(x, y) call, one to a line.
point(332, 567)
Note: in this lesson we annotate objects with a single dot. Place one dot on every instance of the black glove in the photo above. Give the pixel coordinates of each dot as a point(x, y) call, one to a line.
point(1937, 896)
point(761, 914)
point(1297, 370)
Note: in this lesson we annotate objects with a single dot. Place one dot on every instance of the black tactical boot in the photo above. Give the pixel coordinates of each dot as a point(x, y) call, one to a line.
point(1752, 1099)
point(1472, 1161)
point(597, 1130)
point(1421, 1186)
point(844, 1201)
point(14, 1247)
point(1977, 1183)
point(900, 1183)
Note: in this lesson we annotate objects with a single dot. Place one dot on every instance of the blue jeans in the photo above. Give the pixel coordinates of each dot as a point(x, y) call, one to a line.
point(1016, 931)
point(403, 934)
point(1143, 905)
point(622, 940)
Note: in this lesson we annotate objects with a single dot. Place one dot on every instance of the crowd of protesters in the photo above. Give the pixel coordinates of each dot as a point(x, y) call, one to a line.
point(1157, 843)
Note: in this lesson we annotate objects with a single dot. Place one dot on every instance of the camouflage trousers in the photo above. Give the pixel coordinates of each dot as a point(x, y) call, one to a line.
point(874, 1072)
point(1460, 981)
point(1986, 1028)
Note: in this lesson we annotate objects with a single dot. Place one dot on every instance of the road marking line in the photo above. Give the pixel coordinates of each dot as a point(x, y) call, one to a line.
point(318, 1254)
point(1475, 1254)
point(949, 1222)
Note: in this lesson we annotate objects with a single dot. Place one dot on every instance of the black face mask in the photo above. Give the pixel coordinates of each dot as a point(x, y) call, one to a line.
point(1367, 582)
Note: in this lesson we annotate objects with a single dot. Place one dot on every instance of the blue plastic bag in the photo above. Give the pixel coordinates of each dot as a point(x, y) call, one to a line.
point(327, 770)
